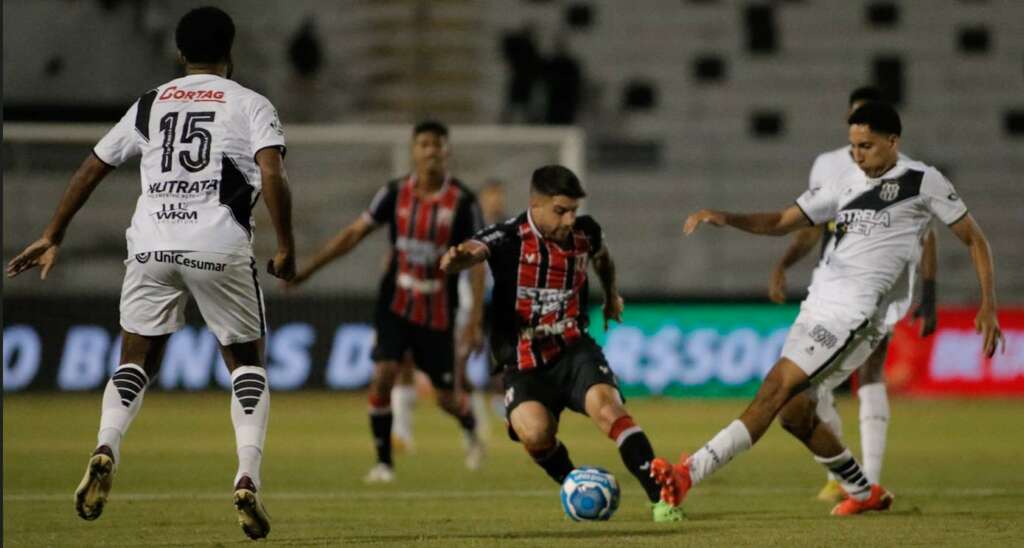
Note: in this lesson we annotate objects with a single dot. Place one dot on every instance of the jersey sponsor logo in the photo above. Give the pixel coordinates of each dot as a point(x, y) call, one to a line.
point(545, 301)
point(823, 336)
point(419, 252)
point(172, 93)
point(178, 213)
point(143, 258)
point(182, 259)
point(183, 189)
point(860, 221)
point(889, 191)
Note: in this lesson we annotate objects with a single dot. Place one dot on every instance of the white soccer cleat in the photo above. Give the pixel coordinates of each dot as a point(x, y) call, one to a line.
point(475, 452)
point(380, 473)
point(93, 490)
point(252, 515)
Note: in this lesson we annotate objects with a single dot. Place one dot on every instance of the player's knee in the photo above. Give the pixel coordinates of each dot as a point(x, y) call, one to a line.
point(536, 439)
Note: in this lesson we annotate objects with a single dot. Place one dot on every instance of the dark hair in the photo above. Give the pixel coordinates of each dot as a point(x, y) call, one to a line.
point(205, 35)
point(430, 126)
point(866, 94)
point(880, 117)
point(555, 180)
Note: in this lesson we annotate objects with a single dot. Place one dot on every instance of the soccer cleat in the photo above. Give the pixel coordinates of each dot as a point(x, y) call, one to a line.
point(380, 473)
point(664, 512)
point(674, 479)
point(252, 516)
point(403, 443)
point(95, 486)
point(879, 500)
point(475, 452)
point(832, 492)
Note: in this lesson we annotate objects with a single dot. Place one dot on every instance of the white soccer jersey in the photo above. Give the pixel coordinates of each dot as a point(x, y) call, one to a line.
point(879, 226)
point(198, 137)
point(829, 166)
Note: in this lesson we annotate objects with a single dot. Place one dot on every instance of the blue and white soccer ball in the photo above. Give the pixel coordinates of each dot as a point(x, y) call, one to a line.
point(590, 493)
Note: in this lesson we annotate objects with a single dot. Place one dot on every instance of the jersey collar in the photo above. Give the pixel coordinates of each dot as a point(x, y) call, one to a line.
point(436, 194)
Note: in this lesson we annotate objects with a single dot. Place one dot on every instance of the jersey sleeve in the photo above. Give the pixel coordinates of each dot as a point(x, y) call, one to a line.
point(819, 204)
point(266, 127)
point(468, 220)
point(817, 177)
point(941, 198)
point(382, 207)
point(498, 237)
point(593, 232)
point(121, 142)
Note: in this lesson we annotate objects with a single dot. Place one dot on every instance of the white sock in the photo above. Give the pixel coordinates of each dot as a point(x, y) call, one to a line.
point(403, 399)
point(250, 409)
point(851, 478)
point(874, 422)
point(728, 443)
point(827, 413)
point(122, 399)
point(478, 401)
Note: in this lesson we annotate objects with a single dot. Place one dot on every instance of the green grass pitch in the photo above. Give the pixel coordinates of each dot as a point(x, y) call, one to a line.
point(952, 464)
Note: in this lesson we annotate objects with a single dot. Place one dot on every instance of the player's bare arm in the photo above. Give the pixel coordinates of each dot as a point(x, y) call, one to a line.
point(985, 322)
point(340, 245)
point(463, 256)
point(278, 197)
point(604, 266)
point(805, 240)
point(472, 337)
point(776, 223)
point(43, 252)
point(926, 311)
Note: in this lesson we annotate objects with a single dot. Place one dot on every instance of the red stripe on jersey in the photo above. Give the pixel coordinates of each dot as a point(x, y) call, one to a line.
point(403, 216)
point(421, 232)
point(572, 309)
point(529, 264)
point(440, 308)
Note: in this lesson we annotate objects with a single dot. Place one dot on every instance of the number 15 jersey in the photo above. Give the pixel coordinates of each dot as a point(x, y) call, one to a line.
point(198, 137)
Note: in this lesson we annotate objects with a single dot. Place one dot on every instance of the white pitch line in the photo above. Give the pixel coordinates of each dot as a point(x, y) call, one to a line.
point(976, 492)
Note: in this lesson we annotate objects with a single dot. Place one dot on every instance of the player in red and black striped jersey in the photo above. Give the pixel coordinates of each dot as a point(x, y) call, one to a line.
point(426, 212)
point(539, 334)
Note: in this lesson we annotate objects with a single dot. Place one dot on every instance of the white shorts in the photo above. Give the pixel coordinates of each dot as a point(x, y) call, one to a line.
point(226, 289)
point(829, 347)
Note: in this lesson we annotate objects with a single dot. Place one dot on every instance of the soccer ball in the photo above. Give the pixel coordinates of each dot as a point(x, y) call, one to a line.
point(590, 493)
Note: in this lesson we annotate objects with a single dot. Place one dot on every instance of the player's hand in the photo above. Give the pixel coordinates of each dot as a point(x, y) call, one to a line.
point(925, 312)
point(613, 307)
point(471, 339)
point(777, 286)
point(282, 265)
point(710, 216)
point(457, 258)
point(987, 324)
point(41, 253)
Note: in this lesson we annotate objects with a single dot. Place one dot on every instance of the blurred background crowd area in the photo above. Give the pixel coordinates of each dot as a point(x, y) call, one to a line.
point(681, 104)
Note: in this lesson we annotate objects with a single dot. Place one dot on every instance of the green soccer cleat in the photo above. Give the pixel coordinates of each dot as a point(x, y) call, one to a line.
point(665, 512)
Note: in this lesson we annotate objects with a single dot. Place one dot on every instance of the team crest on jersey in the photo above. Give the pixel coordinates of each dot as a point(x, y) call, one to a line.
point(890, 190)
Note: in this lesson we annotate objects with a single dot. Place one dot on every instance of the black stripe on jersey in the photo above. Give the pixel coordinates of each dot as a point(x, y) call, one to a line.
point(542, 268)
point(142, 113)
point(236, 193)
point(909, 187)
point(838, 352)
point(259, 296)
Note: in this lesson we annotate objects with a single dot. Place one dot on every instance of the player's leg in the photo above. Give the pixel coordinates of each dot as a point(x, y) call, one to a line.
point(393, 340)
point(537, 428)
point(403, 400)
point(874, 411)
point(828, 414)
point(434, 354)
point(228, 294)
point(152, 307)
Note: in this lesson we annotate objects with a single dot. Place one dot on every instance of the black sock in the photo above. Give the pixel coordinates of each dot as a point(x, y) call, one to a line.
point(468, 423)
point(637, 455)
point(555, 462)
point(380, 425)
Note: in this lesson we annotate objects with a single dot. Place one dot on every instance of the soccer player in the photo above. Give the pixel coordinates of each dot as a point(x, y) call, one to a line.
point(874, 403)
point(881, 211)
point(209, 148)
point(539, 261)
point(426, 212)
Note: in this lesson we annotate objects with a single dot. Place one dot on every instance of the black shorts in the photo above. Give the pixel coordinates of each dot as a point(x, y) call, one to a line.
point(433, 351)
point(563, 384)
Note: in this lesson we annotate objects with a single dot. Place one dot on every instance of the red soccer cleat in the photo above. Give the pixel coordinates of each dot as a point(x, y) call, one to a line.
point(878, 501)
point(674, 479)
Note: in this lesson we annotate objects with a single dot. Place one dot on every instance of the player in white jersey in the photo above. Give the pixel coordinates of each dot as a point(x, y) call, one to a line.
point(209, 148)
point(872, 397)
point(882, 209)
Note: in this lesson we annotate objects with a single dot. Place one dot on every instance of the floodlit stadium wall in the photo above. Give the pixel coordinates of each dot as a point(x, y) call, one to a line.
point(666, 349)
